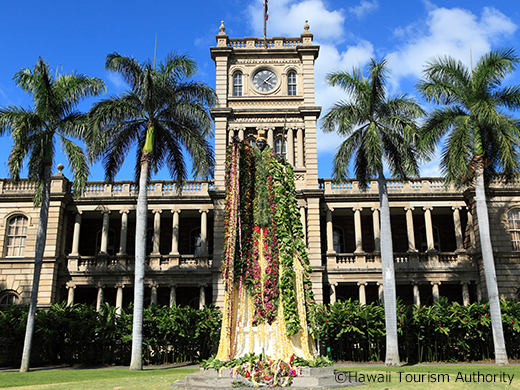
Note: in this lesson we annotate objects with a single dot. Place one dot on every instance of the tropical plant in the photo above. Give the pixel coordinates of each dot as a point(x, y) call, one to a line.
point(163, 114)
point(379, 129)
point(34, 132)
point(482, 142)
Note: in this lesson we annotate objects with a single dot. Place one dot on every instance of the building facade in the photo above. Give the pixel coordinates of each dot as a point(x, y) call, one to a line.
point(263, 85)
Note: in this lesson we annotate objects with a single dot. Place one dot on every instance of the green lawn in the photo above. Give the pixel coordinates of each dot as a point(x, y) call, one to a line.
point(406, 378)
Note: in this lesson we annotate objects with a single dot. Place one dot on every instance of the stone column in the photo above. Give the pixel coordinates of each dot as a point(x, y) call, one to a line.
point(153, 295)
point(458, 228)
point(380, 291)
point(104, 232)
point(119, 298)
point(362, 293)
point(241, 134)
point(70, 299)
point(435, 291)
point(202, 296)
point(330, 232)
point(357, 229)
point(100, 296)
point(429, 228)
point(479, 292)
point(173, 294)
point(231, 134)
point(416, 294)
point(156, 232)
point(377, 229)
point(175, 232)
point(333, 295)
point(299, 149)
point(471, 229)
point(465, 293)
point(76, 234)
point(303, 220)
point(290, 146)
point(270, 137)
point(124, 232)
point(203, 232)
point(410, 229)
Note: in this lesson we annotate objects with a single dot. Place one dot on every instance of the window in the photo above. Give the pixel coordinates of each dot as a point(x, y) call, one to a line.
point(111, 242)
point(514, 228)
point(195, 241)
point(9, 298)
point(237, 84)
point(280, 146)
point(291, 83)
point(251, 141)
point(424, 240)
point(16, 235)
point(338, 239)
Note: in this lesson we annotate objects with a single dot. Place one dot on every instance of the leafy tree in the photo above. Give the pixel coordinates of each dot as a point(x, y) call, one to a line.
point(482, 142)
point(162, 114)
point(378, 129)
point(34, 132)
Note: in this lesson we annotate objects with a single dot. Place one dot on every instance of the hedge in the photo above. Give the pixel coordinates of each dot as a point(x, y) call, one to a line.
point(78, 335)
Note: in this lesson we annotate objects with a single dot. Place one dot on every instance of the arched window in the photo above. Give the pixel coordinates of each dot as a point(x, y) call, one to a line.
point(16, 235)
point(251, 141)
point(237, 84)
point(291, 83)
point(338, 239)
point(280, 146)
point(513, 218)
point(9, 298)
point(111, 242)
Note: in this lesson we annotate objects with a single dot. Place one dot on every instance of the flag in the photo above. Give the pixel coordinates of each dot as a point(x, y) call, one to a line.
point(266, 10)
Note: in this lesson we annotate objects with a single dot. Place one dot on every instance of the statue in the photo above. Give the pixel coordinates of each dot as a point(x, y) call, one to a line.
point(268, 303)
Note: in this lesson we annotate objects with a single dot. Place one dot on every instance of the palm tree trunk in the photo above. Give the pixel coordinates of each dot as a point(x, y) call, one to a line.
point(489, 268)
point(136, 362)
point(387, 263)
point(41, 236)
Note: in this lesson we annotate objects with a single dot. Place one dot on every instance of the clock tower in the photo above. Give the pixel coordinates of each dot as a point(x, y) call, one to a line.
point(267, 85)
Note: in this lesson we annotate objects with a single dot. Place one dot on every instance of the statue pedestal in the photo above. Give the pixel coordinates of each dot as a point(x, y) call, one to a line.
point(311, 378)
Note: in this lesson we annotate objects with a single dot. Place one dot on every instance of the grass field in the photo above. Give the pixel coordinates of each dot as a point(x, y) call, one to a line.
point(446, 377)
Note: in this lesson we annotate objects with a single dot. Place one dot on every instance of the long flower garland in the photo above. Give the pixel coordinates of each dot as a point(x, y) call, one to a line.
point(263, 246)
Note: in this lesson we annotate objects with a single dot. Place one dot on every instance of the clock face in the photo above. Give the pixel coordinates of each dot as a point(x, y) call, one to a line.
point(265, 80)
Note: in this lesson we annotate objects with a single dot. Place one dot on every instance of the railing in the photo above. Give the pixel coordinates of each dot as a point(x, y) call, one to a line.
point(156, 188)
point(127, 263)
point(351, 186)
point(401, 260)
point(260, 43)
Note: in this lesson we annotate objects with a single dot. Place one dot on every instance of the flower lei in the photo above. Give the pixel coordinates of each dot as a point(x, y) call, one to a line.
point(263, 237)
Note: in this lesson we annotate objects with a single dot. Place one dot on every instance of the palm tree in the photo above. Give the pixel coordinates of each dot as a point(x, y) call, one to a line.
point(33, 132)
point(379, 129)
point(482, 142)
point(162, 114)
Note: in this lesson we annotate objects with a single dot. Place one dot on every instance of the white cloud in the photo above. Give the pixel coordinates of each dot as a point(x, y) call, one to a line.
point(287, 18)
point(332, 59)
point(454, 32)
point(117, 82)
point(364, 8)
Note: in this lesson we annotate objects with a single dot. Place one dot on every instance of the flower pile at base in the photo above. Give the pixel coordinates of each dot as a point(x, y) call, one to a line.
point(261, 371)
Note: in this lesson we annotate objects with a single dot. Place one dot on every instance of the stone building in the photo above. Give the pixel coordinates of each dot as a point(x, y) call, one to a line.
point(268, 85)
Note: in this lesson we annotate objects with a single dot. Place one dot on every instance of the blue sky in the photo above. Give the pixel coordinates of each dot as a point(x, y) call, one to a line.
point(76, 36)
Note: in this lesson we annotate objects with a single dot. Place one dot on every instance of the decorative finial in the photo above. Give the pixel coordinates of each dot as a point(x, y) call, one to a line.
point(60, 168)
point(306, 26)
point(222, 28)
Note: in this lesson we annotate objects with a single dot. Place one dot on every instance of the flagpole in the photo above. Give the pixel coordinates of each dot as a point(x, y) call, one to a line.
point(265, 20)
